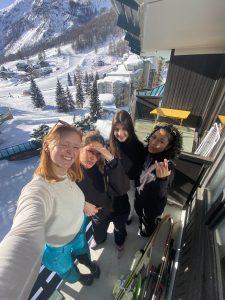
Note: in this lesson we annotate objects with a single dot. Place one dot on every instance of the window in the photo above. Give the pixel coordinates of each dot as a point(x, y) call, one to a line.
point(217, 183)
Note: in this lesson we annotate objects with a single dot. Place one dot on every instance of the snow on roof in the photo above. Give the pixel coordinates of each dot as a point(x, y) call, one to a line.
point(106, 97)
point(133, 59)
point(115, 79)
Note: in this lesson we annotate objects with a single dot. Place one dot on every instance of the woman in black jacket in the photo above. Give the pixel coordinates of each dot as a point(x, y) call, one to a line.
point(125, 145)
point(104, 179)
point(164, 144)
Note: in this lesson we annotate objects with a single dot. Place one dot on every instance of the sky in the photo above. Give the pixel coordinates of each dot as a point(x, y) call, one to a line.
point(5, 3)
point(15, 174)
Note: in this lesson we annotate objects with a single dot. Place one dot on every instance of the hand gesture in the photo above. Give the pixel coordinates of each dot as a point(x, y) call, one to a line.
point(162, 169)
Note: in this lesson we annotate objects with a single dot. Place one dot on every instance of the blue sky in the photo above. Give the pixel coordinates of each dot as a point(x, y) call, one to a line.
point(4, 3)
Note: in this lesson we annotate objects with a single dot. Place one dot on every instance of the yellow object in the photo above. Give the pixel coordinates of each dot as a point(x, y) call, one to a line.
point(171, 113)
point(222, 119)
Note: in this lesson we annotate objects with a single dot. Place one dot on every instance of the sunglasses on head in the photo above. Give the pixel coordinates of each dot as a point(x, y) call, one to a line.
point(60, 122)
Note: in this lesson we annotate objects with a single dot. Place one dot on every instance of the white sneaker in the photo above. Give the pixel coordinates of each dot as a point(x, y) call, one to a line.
point(93, 244)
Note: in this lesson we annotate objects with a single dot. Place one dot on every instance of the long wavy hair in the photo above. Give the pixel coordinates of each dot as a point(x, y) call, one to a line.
point(44, 168)
point(94, 136)
point(121, 117)
point(175, 139)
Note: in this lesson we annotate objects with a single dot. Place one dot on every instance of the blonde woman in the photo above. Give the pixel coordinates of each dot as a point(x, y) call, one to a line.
point(49, 224)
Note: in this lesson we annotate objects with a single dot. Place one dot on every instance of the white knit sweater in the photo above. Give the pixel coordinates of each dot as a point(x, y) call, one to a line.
point(46, 213)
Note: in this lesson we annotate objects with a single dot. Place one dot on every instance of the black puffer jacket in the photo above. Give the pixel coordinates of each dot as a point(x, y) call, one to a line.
point(100, 189)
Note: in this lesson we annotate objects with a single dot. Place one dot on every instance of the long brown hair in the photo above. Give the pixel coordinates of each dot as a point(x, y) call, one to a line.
point(121, 117)
point(44, 168)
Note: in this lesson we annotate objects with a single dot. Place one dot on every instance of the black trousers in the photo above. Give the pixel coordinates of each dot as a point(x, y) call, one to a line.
point(100, 226)
point(148, 212)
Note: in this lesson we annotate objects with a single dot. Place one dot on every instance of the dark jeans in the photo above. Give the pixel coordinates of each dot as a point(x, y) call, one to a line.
point(100, 227)
point(148, 213)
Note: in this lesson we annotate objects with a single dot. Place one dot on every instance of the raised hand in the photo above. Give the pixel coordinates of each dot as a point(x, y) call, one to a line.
point(101, 150)
point(162, 169)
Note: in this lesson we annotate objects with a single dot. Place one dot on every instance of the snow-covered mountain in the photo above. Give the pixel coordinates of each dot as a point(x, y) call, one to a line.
point(27, 22)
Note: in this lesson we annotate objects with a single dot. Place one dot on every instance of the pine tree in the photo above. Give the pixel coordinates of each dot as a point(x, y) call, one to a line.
point(61, 99)
point(88, 88)
point(95, 105)
point(71, 103)
point(86, 78)
point(86, 83)
point(74, 79)
point(78, 73)
point(96, 76)
point(86, 124)
point(91, 77)
point(36, 95)
point(69, 80)
point(79, 95)
point(39, 133)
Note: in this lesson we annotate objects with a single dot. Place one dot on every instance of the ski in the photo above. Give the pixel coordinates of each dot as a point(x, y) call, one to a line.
point(130, 286)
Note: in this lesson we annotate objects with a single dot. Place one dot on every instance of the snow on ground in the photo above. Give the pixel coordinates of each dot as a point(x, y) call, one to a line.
point(15, 174)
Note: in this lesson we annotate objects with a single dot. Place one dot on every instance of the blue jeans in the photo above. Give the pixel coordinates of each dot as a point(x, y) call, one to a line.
point(61, 259)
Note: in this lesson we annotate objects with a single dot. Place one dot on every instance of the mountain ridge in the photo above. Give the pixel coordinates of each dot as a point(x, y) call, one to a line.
point(29, 22)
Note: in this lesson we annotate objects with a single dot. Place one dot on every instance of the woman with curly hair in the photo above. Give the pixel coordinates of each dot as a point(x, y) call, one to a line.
point(164, 144)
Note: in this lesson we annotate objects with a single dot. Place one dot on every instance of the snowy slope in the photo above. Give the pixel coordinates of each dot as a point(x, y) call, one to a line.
point(15, 174)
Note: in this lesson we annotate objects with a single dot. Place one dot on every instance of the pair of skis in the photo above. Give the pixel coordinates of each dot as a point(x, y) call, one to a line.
point(145, 278)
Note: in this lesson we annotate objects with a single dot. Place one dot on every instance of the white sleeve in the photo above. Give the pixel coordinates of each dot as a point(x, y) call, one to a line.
point(21, 249)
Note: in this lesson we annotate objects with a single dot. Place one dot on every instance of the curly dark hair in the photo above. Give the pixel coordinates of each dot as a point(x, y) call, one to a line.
point(175, 139)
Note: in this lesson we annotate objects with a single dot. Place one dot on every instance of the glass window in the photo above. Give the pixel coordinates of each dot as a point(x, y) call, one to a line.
point(217, 183)
point(220, 240)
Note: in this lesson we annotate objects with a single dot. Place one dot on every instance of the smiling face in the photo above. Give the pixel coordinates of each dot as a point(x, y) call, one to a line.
point(159, 141)
point(64, 152)
point(89, 157)
point(120, 132)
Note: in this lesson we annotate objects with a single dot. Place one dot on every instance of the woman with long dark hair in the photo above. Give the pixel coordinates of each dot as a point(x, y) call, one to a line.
point(125, 145)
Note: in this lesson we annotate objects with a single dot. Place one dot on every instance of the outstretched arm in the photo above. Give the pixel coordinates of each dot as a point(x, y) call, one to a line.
point(21, 249)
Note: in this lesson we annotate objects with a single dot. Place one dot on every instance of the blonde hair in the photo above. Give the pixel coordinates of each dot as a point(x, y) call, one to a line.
point(44, 168)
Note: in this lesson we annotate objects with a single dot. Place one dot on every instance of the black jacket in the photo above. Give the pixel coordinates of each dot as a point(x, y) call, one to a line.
point(100, 189)
point(153, 197)
point(132, 157)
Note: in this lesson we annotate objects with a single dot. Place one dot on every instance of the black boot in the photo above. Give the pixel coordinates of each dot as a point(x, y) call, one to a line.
point(86, 279)
point(94, 268)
